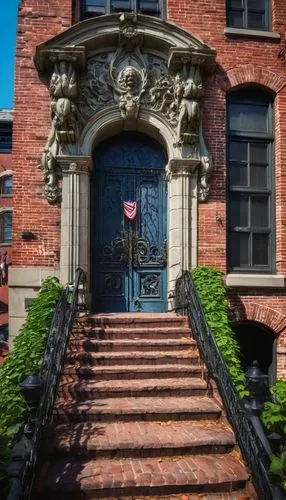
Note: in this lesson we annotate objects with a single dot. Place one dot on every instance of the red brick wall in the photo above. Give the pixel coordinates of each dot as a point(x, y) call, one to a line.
point(38, 21)
point(239, 61)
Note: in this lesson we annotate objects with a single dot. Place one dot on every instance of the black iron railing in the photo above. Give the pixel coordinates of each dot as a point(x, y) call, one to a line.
point(251, 438)
point(24, 460)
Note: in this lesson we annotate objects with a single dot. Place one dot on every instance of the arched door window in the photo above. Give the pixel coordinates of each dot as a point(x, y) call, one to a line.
point(251, 233)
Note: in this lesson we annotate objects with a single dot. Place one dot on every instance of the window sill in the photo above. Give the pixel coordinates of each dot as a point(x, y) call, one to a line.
point(246, 33)
point(256, 280)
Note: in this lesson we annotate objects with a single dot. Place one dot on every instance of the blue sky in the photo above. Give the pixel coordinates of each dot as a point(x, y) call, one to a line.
point(8, 18)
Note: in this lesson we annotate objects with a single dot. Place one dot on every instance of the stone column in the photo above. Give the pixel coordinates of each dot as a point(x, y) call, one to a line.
point(75, 213)
point(182, 242)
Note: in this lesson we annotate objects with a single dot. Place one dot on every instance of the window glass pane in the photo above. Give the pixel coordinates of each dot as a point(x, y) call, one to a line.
point(7, 228)
point(95, 6)
point(260, 249)
point(258, 176)
point(120, 5)
point(256, 5)
point(239, 249)
point(236, 18)
point(256, 20)
point(149, 6)
point(238, 151)
point(7, 185)
point(259, 211)
point(258, 153)
point(238, 210)
point(248, 118)
point(236, 4)
point(238, 174)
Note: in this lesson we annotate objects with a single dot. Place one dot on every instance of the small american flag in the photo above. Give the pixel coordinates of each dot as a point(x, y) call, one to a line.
point(130, 209)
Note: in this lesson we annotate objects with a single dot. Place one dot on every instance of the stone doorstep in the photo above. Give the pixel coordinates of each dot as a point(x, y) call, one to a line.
point(199, 473)
point(130, 333)
point(81, 391)
point(135, 321)
point(134, 357)
point(244, 494)
point(140, 438)
point(115, 372)
point(132, 408)
point(125, 345)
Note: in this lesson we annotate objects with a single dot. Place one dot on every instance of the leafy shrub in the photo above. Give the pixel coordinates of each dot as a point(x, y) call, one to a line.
point(212, 293)
point(26, 358)
point(274, 414)
point(278, 468)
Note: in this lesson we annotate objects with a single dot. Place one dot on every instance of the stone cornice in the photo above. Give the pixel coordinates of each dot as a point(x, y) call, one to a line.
point(74, 164)
point(182, 166)
point(47, 56)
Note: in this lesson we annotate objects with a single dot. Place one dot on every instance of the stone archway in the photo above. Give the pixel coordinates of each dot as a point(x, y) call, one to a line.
point(125, 73)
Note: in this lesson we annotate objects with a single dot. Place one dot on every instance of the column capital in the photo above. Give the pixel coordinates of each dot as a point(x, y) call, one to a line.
point(75, 164)
point(178, 167)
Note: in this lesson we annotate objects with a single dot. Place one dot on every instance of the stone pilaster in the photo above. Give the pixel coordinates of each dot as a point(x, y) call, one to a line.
point(75, 230)
point(182, 243)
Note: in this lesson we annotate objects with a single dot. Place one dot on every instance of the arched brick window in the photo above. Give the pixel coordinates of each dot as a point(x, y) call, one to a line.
point(251, 234)
point(90, 8)
point(6, 227)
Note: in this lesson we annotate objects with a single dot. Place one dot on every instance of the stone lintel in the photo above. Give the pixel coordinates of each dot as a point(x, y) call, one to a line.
point(74, 164)
point(46, 57)
point(195, 56)
point(183, 166)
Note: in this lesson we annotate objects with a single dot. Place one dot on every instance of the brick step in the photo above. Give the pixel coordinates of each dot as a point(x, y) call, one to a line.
point(125, 345)
point(140, 439)
point(113, 333)
point(133, 320)
point(134, 409)
point(247, 493)
point(141, 476)
point(190, 357)
point(115, 372)
point(133, 388)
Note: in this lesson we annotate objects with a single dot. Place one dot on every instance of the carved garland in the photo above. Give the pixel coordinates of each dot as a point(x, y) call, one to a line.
point(130, 79)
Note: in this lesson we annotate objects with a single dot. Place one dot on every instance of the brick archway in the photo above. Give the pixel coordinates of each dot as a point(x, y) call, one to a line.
point(262, 314)
point(250, 74)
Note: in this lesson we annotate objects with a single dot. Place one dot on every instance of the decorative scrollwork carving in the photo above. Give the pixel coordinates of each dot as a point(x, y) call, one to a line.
point(150, 285)
point(65, 119)
point(117, 252)
point(145, 254)
point(112, 284)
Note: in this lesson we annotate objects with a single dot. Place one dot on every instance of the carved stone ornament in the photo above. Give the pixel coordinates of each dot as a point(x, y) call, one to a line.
point(166, 81)
point(65, 117)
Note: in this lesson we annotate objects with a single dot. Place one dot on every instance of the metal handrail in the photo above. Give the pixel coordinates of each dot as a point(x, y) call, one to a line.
point(27, 451)
point(254, 446)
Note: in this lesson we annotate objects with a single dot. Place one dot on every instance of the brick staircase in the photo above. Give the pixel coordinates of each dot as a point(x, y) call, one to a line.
point(133, 418)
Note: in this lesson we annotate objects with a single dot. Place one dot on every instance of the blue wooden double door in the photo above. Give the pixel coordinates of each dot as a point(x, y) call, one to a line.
point(129, 257)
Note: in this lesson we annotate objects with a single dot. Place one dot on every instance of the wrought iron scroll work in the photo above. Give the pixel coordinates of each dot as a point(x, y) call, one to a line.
point(143, 254)
point(255, 454)
point(71, 300)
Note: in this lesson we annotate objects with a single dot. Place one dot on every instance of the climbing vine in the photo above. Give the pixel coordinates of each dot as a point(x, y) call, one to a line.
point(212, 293)
point(25, 358)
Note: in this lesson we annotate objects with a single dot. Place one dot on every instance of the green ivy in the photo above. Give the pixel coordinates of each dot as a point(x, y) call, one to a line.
point(274, 420)
point(25, 358)
point(212, 293)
